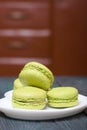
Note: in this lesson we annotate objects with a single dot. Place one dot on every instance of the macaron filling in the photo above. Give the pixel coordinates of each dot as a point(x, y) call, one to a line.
point(63, 100)
point(38, 102)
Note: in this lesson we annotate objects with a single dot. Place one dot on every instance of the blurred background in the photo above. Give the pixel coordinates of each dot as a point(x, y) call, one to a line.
point(52, 32)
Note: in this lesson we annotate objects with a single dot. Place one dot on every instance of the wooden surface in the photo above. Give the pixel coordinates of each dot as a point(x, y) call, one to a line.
point(76, 122)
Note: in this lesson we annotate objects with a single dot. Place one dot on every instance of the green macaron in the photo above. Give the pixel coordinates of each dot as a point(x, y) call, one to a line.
point(36, 74)
point(61, 97)
point(29, 98)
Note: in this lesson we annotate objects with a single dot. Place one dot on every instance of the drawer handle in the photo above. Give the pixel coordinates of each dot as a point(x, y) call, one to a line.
point(17, 15)
point(16, 45)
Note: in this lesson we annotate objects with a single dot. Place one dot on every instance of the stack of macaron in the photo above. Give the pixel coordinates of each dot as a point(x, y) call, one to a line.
point(33, 89)
point(31, 86)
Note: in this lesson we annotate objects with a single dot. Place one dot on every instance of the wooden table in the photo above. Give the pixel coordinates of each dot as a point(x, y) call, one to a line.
point(75, 122)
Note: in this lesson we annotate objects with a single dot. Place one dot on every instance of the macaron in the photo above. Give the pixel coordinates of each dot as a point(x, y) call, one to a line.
point(36, 74)
point(17, 84)
point(29, 98)
point(61, 97)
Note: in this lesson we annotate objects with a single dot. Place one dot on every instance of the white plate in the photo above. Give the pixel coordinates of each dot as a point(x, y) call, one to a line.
point(47, 113)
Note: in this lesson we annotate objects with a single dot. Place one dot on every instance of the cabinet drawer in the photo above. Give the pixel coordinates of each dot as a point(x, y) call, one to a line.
point(24, 14)
point(25, 47)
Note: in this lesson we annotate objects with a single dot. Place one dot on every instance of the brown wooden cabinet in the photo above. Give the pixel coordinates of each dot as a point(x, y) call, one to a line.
point(24, 34)
point(70, 30)
point(26, 14)
point(52, 32)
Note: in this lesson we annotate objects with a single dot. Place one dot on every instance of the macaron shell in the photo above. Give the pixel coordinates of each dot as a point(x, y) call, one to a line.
point(40, 67)
point(36, 106)
point(28, 92)
point(63, 105)
point(17, 84)
point(34, 78)
point(63, 92)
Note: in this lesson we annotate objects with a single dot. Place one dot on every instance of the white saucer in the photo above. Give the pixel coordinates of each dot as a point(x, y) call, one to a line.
point(47, 113)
